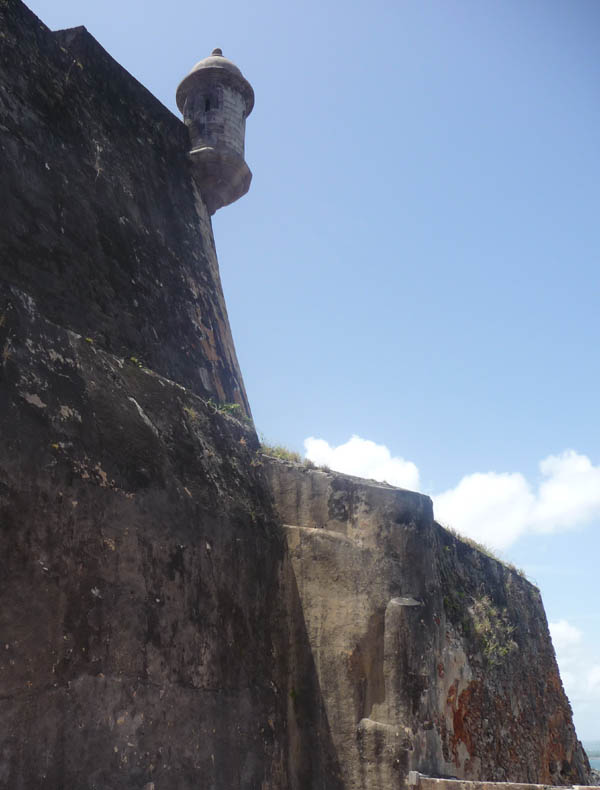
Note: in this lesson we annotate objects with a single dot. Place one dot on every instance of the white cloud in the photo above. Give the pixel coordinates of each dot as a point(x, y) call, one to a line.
point(363, 458)
point(492, 508)
point(564, 635)
point(570, 494)
point(495, 508)
point(499, 508)
point(593, 680)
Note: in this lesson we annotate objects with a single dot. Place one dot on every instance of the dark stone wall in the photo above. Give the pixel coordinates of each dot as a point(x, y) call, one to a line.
point(140, 560)
point(101, 222)
point(139, 576)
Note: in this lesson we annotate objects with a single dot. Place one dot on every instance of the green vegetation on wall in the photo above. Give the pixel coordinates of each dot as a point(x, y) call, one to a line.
point(493, 630)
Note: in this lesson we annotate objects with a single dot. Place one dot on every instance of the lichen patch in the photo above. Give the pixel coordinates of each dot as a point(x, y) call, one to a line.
point(34, 400)
point(67, 413)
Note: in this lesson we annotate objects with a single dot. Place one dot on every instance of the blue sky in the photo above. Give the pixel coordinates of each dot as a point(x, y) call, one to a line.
point(416, 263)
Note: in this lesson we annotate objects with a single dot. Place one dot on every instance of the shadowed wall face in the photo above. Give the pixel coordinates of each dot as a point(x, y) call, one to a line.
point(148, 614)
point(139, 556)
point(139, 563)
point(102, 222)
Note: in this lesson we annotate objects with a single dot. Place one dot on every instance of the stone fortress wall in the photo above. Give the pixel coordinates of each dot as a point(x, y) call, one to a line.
point(176, 609)
point(102, 220)
point(430, 655)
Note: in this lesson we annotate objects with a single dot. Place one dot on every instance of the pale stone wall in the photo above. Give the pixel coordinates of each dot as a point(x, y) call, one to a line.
point(429, 655)
point(234, 120)
point(216, 117)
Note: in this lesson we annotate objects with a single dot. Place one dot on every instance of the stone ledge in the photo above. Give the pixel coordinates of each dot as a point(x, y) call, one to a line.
point(418, 780)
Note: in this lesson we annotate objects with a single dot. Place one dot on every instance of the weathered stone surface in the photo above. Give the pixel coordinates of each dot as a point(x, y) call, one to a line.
point(429, 655)
point(139, 560)
point(159, 627)
point(102, 223)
